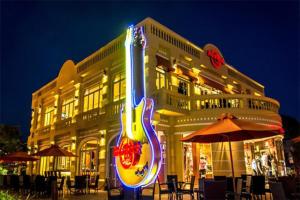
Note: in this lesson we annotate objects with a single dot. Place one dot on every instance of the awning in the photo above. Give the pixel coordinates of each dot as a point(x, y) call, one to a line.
point(164, 63)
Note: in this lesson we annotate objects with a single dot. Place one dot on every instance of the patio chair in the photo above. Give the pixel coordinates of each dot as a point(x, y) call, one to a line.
point(1, 181)
point(219, 178)
point(95, 185)
point(163, 188)
point(258, 186)
point(188, 188)
point(178, 193)
point(170, 179)
point(147, 193)
point(113, 193)
point(69, 185)
point(26, 184)
point(289, 186)
point(239, 190)
point(277, 191)
point(214, 189)
point(80, 184)
point(15, 183)
point(61, 186)
point(200, 189)
point(40, 185)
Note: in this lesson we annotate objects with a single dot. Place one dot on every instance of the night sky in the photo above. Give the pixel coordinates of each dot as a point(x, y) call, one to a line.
point(259, 39)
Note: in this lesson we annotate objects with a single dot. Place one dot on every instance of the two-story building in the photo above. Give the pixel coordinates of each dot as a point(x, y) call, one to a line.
point(191, 86)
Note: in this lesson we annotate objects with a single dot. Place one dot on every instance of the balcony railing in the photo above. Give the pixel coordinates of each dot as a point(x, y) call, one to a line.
point(113, 110)
point(44, 130)
point(91, 114)
point(165, 99)
point(63, 123)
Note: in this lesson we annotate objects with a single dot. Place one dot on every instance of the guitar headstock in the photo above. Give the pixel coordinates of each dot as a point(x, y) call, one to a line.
point(139, 37)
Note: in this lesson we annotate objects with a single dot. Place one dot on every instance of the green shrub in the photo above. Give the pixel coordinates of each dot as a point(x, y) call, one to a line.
point(7, 196)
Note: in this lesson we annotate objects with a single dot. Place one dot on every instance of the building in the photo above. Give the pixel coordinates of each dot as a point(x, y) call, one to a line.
point(191, 86)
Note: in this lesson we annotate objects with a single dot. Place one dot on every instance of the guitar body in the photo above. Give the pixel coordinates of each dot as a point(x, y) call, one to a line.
point(138, 158)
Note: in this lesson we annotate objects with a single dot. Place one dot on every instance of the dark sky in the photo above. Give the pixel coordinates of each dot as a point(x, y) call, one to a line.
point(261, 39)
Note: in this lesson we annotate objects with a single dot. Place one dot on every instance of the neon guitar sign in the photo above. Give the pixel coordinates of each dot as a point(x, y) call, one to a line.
point(137, 154)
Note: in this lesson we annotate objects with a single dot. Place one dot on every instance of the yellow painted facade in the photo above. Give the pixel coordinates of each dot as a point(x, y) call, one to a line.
point(80, 109)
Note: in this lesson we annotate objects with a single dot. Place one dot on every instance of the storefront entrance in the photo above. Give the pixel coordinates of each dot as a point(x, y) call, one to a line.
point(89, 157)
point(111, 167)
point(197, 160)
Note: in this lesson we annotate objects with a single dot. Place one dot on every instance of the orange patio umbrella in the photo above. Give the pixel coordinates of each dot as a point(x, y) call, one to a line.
point(55, 151)
point(19, 156)
point(229, 128)
point(296, 139)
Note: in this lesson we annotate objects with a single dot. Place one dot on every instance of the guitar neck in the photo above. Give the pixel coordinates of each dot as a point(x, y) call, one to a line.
point(135, 53)
point(135, 81)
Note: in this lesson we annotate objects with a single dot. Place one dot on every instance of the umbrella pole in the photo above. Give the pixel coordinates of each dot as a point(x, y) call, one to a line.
point(232, 168)
point(53, 163)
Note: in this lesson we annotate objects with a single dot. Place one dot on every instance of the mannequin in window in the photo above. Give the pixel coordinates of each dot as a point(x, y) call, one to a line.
point(202, 167)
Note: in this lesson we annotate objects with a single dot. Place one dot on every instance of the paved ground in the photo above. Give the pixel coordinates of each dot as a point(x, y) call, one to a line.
point(102, 195)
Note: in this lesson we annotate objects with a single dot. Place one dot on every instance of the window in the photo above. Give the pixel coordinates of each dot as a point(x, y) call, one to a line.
point(64, 162)
point(93, 98)
point(67, 109)
point(183, 87)
point(49, 115)
point(119, 89)
point(160, 78)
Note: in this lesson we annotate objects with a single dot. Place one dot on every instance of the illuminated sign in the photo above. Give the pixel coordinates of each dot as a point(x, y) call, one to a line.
point(137, 154)
point(215, 58)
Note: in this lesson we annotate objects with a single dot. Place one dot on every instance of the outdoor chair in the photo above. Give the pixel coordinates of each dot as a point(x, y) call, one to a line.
point(188, 188)
point(246, 182)
point(239, 190)
point(147, 193)
point(80, 184)
point(113, 193)
point(229, 188)
point(49, 181)
point(163, 188)
point(26, 184)
point(1, 181)
point(258, 186)
point(15, 183)
point(210, 188)
point(6, 181)
point(40, 185)
point(178, 193)
point(219, 178)
point(69, 185)
point(277, 191)
point(289, 186)
point(61, 186)
point(95, 185)
point(200, 189)
point(170, 179)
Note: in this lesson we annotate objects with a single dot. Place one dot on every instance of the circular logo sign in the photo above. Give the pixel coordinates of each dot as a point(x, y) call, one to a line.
point(129, 152)
point(215, 58)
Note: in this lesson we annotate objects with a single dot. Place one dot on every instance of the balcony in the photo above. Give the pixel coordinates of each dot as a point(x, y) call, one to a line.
point(211, 106)
point(63, 123)
point(44, 130)
point(91, 115)
point(171, 103)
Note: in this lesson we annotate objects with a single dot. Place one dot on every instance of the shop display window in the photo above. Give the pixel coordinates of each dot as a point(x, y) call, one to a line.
point(263, 157)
